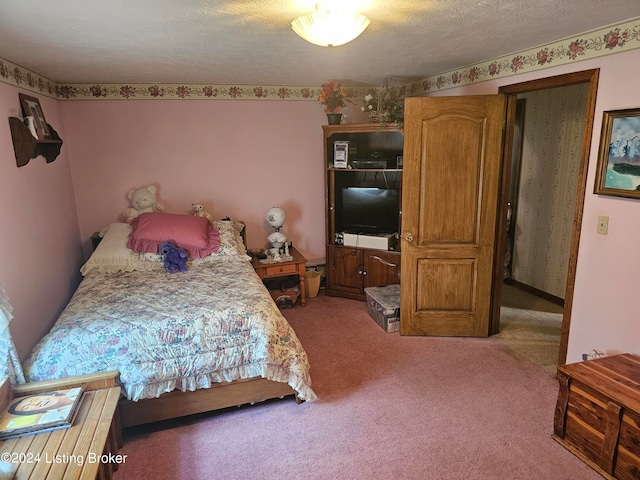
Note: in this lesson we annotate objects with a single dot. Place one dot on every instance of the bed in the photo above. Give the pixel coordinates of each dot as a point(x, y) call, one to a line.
point(185, 342)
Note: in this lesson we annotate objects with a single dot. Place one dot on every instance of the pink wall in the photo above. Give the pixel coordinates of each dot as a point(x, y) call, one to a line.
point(239, 157)
point(39, 234)
point(605, 308)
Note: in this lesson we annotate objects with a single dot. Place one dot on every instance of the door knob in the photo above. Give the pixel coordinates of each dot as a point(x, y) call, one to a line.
point(408, 237)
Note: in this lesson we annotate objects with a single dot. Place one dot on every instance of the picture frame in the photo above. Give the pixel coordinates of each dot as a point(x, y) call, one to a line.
point(618, 171)
point(31, 107)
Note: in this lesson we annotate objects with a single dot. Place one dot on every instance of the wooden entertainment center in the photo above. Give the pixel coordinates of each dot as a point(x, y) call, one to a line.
point(374, 161)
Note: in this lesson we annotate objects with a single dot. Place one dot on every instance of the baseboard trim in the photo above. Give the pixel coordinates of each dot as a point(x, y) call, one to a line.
point(535, 291)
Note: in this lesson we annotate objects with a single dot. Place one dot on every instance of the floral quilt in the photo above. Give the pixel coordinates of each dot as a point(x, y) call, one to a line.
point(164, 331)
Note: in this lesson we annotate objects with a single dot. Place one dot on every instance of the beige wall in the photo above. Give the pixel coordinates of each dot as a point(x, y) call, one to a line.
point(551, 143)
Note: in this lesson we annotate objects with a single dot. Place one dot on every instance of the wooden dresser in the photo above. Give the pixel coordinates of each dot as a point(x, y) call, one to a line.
point(597, 416)
point(87, 450)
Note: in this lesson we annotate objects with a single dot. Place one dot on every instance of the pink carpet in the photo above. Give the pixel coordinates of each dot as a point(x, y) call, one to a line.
point(390, 407)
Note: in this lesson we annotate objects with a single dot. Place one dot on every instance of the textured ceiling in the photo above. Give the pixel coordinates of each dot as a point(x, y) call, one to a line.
point(250, 42)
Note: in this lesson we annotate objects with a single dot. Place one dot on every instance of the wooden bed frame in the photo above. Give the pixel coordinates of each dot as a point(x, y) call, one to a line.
point(221, 395)
point(173, 404)
point(179, 404)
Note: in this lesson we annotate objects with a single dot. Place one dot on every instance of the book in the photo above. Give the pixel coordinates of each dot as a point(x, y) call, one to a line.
point(40, 412)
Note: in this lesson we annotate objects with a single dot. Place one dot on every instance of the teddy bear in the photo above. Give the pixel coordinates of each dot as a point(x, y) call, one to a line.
point(198, 211)
point(143, 200)
point(175, 259)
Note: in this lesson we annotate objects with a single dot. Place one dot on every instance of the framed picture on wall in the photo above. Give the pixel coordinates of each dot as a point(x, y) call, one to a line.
point(31, 108)
point(618, 171)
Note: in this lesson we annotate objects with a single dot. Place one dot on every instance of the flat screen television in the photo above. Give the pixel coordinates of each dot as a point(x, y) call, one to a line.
point(368, 210)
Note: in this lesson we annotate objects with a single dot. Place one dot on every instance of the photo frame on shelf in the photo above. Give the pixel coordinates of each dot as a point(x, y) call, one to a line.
point(618, 171)
point(31, 108)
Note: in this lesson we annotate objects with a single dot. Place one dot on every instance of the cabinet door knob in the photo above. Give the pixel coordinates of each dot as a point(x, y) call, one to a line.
point(408, 237)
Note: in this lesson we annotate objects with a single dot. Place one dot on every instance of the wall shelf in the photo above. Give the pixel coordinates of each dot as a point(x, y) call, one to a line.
point(27, 147)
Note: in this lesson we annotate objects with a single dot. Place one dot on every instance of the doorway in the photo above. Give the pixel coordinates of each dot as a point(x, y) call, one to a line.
point(563, 282)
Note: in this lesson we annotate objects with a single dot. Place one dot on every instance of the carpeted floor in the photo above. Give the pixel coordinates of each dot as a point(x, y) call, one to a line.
point(389, 407)
point(530, 326)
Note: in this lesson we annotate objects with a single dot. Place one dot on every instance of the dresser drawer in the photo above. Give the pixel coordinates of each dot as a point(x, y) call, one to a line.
point(278, 270)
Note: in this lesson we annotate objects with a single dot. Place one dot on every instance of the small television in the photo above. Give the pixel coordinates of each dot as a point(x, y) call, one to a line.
point(368, 210)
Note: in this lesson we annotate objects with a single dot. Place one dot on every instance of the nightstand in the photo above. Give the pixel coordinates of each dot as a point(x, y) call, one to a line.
point(88, 449)
point(296, 266)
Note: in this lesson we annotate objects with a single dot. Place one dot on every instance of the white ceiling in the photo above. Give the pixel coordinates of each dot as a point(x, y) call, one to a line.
point(250, 42)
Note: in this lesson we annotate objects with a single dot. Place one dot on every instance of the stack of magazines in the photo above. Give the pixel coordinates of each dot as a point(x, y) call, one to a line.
point(40, 412)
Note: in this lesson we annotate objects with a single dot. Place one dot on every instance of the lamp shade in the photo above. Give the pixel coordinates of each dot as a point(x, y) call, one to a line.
point(330, 28)
point(276, 217)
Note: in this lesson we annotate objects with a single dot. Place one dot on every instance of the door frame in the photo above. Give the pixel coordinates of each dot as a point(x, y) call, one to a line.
point(591, 78)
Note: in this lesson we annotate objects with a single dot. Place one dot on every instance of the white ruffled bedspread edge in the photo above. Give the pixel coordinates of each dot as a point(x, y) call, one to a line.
point(269, 372)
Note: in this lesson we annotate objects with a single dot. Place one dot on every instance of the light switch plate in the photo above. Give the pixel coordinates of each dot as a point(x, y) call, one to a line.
point(603, 224)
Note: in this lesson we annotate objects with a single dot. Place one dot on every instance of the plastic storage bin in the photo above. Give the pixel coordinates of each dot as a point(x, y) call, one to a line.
point(383, 304)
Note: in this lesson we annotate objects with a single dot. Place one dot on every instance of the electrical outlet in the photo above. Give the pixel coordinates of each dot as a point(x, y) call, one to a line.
point(603, 224)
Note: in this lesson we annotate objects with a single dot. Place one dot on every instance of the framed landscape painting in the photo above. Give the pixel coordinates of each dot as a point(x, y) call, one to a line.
point(618, 171)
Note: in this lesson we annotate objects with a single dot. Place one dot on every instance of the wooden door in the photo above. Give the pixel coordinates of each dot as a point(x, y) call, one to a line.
point(452, 182)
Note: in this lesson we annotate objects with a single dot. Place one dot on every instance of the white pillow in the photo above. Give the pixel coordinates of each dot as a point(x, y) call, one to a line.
point(112, 254)
point(230, 238)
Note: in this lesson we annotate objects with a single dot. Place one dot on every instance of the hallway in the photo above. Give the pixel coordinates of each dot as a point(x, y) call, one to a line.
point(530, 326)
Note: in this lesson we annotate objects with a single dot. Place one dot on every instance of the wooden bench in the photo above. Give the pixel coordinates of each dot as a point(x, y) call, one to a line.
point(597, 415)
point(86, 450)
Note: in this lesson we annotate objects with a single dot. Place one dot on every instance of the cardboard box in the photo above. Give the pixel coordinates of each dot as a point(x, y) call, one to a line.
point(383, 304)
point(384, 241)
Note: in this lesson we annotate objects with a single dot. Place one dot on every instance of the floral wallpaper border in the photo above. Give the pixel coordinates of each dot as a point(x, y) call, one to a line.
point(18, 76)
point(186, 92)
point(597, 43)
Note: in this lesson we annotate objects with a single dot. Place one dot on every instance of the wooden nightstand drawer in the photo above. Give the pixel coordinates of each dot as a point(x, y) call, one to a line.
point(277, 270)
point(295, 266)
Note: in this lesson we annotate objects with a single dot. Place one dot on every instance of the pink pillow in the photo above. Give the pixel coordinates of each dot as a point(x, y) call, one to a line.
point(195, 234)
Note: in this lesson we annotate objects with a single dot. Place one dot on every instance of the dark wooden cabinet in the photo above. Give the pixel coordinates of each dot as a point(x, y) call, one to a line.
point(375, 162)
point(381, 268)
point(350, 270)
point(26, 147)
point(344, 272)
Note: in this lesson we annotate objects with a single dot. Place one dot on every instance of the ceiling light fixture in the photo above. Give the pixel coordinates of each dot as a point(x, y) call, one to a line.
point(329, 26)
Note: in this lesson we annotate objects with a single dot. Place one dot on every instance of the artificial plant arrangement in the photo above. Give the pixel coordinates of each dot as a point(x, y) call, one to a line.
point(333, 96)
point(385, 105)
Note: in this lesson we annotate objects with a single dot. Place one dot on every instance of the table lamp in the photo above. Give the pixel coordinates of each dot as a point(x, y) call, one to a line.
point(276, 217)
